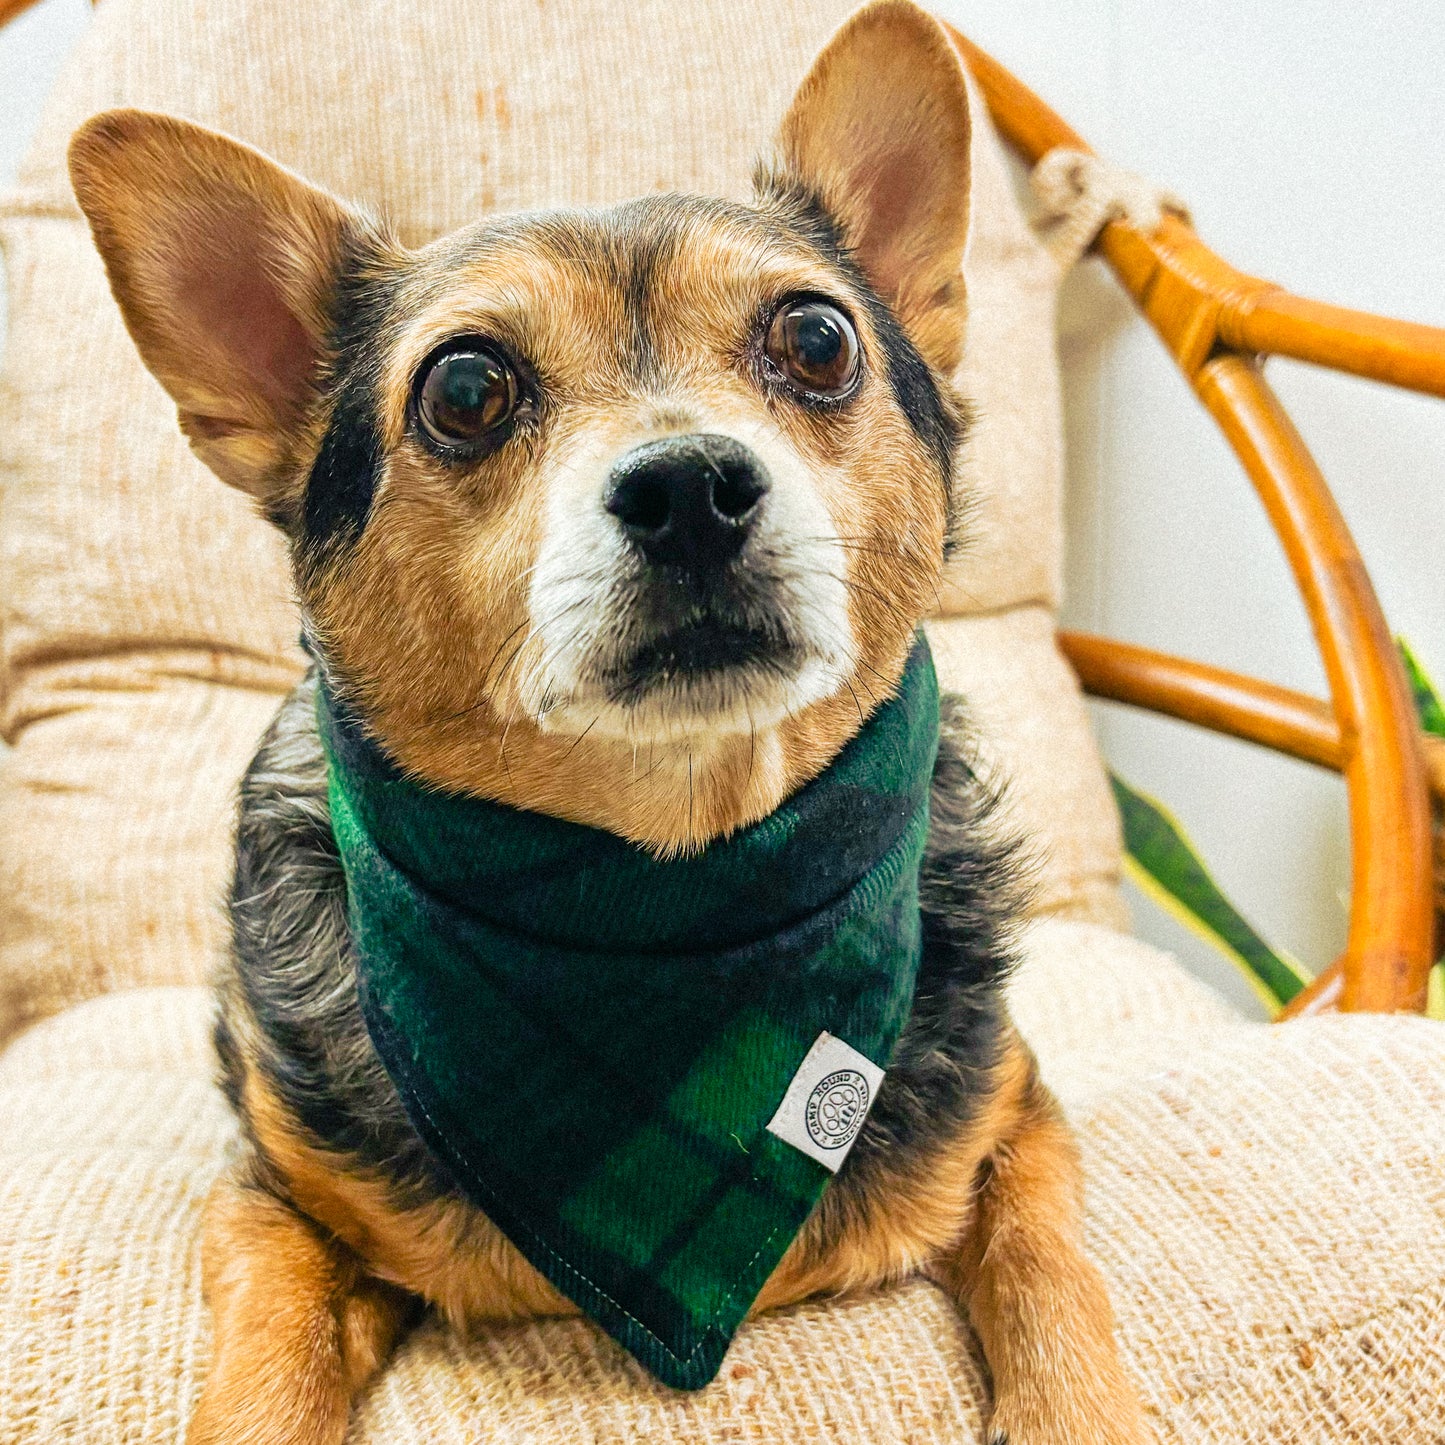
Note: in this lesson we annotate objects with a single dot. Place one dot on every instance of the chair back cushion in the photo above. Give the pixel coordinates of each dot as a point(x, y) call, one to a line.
point(147, 625)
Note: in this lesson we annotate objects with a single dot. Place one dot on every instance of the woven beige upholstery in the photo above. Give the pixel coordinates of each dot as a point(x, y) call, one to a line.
point(1268, 1204)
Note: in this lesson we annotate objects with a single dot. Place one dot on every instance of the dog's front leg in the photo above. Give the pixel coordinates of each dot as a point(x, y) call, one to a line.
point(1039, 1306)
point(299, 1327)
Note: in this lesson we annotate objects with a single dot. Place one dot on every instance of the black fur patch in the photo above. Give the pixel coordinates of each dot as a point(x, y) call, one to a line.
point(343, 477)
point(972, 893)
point(291, 994)
point(638, 257)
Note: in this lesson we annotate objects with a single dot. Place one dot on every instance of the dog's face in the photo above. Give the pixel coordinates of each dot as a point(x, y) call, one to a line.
point(658, 472)
point(663, 485)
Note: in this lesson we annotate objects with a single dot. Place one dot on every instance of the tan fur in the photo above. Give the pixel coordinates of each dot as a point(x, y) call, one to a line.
point(221, 262)
point(236, 358)
point(1039, 1306)
point(447, 1252)
point(299, 1327)
point(886, 160)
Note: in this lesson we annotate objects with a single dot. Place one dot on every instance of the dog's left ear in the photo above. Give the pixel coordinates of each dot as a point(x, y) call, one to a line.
point(878, 134)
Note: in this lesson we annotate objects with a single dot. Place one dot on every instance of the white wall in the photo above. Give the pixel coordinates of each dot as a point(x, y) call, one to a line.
point(31, 50)
point(1305, 134)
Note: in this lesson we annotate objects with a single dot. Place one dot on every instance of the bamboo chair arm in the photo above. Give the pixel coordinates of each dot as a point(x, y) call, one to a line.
point(1226, 702)
point(9, 9)
point(1276, 323)
point(1195, 299)
point(1215, 320)
point(1259, 712)
point(1390, 945)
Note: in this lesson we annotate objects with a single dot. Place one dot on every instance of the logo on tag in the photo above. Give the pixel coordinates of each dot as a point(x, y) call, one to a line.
point(827, 1102)
point(836, 1109)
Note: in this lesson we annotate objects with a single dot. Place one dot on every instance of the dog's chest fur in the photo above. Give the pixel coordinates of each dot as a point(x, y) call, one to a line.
point(329, 1131)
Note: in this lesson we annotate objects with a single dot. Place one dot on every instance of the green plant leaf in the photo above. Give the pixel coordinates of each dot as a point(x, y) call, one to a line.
point(1431, 710)
point(1435, 997)
point(1167, 866)
point(1428, 703)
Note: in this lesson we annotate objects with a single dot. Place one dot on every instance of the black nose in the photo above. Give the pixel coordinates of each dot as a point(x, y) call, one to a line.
point(689, 501)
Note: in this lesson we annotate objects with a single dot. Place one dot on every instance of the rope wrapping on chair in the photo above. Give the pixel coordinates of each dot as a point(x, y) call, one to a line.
point(1079, 194)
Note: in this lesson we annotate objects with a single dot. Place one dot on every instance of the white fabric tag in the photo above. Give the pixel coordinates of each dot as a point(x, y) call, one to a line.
point(827, 1102)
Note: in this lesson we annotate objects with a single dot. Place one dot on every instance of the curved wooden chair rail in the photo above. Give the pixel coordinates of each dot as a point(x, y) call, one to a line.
point(1243, 707)
point(9, 9)
point(1217, 323)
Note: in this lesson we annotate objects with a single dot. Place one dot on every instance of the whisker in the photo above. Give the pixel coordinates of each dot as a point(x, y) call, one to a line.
point(875, 672)
point(488, 683)
point(535, 635)
point(712, 464)
point(580, 736)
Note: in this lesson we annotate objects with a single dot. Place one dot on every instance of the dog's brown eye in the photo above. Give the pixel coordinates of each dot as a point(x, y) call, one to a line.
point(814, 345)
point(466, 395)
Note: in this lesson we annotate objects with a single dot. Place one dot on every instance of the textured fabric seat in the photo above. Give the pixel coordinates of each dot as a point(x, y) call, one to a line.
point(1268, 1204)
point(1265, 1202)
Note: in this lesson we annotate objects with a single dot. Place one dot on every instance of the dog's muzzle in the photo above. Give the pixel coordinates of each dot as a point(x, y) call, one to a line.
point(700, 605)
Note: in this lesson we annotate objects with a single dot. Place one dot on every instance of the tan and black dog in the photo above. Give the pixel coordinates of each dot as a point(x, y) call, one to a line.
point(439, 435)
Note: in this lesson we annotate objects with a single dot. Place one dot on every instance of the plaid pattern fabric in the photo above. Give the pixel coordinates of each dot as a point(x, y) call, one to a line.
point(593, 1041)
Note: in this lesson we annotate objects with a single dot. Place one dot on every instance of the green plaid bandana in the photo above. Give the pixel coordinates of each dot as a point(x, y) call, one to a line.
point(594, 1043)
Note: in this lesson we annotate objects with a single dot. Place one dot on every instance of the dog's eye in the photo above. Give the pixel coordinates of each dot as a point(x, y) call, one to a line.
point(465, 395)
point(815, 346)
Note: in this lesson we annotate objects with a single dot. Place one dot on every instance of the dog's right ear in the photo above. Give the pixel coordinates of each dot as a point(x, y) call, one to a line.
point(224, 265)
point(878, 134)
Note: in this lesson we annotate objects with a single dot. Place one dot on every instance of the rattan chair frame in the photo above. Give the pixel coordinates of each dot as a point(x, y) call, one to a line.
point(1219, 324)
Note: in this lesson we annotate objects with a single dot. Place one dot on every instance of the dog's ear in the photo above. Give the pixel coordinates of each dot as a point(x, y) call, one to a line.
point(878, 133)
point(224, 265)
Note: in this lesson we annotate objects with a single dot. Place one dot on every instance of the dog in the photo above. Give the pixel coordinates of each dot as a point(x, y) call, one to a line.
point(625, 517)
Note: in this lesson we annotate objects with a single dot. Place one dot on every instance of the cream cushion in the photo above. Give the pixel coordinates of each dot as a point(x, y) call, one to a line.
point(1266, 1203)
point(147, 627)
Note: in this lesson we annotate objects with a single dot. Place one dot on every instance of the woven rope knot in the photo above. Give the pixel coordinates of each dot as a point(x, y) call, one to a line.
point(1079, 194)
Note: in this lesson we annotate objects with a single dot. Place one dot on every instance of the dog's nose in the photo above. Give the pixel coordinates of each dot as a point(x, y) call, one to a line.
point(689, 501)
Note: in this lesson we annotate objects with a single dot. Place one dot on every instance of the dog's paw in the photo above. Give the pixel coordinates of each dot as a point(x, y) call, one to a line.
point(1070, 1425)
